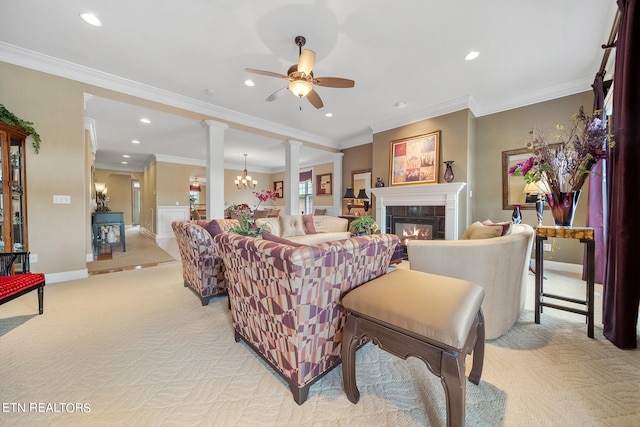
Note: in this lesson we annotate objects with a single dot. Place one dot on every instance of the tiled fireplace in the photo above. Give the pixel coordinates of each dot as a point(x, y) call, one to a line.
point(429, 211)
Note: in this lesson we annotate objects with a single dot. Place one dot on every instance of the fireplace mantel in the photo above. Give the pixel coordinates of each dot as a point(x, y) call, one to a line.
point(447, 195)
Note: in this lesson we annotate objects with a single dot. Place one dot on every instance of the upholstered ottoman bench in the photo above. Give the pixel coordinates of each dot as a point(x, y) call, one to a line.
point(410, 313)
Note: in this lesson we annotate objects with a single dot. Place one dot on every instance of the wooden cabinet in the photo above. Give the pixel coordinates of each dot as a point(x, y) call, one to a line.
point(13, 185)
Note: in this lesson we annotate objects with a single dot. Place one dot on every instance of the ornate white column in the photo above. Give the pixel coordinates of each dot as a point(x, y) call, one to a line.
point(337, 183)
point(292, 176)
point(215, 169)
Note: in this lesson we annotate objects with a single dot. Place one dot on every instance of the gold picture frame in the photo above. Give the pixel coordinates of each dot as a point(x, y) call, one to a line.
point(415, 160)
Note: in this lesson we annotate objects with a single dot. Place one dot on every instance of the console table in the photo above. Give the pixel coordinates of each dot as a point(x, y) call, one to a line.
point(109, 220)
point(585, 235)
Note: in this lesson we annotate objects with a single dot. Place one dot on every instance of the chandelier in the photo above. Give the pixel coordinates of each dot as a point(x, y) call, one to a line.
point(245, 181)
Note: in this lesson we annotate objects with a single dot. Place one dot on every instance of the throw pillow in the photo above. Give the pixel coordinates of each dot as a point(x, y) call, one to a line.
point(506, 226)
point(291, 225)
point(307, 221)
point(318, 224)
point(467, 233)
point(213, 228)
point(277, 239)
point(486, 232)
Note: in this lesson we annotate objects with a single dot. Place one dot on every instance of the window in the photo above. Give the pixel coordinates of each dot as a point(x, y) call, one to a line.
point(305, 195)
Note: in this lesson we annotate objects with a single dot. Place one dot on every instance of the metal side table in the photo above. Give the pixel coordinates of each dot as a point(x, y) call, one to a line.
point(586, 235)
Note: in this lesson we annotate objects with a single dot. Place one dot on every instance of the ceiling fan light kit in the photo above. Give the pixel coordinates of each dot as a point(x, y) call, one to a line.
point(301, 79)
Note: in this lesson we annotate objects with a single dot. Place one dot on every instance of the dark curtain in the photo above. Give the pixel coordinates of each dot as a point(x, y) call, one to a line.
point(622, 282)
point(597, 194)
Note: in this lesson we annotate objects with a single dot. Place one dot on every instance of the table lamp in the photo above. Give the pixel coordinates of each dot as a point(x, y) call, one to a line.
point(365, 199)
point(349, 194)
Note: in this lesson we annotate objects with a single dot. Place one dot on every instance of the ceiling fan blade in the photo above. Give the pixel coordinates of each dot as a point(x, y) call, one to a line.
point(333, 82)
point(306, 61)
point(314, 99)
point(277, 94)
point(265, 73)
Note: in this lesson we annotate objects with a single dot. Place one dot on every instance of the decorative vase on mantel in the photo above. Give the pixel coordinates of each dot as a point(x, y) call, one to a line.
point(448, 173)
point(563, 207)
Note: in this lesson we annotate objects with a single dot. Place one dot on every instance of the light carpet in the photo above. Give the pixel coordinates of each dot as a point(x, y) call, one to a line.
point(141, 251)
point(136, 348)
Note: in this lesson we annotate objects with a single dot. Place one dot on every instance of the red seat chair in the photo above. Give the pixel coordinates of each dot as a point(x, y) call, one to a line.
point(16, 280)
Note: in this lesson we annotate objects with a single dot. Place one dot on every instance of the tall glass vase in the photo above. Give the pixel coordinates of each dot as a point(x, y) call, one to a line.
point(563, 207)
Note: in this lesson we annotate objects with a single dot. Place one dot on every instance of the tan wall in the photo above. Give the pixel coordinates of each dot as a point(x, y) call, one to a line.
point(457, 142)
point(234, 196)
point(57, 233)
point(119, 190)
point(55, 106)
point(509, 130)
point(356, 159)
point(322, 200)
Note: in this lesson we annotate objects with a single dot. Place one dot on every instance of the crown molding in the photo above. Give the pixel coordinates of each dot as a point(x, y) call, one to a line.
point(47, 64)
point(540, 95)
point(446, 107)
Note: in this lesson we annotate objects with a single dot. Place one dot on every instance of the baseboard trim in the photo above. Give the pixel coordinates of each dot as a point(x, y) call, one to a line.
point(65, 276)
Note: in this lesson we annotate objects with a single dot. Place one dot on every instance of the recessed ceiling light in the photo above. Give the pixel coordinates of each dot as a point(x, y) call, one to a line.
point(90, 19)
point(329, 115)
point(210, 91)
point(135, 141)
point(400, 104)
point(145, 120)
point(126, 156)
point(124, 163)
point(249, 83)
point(472, 55)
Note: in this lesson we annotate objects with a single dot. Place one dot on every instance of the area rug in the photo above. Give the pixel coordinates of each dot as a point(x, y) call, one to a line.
point(141, 251)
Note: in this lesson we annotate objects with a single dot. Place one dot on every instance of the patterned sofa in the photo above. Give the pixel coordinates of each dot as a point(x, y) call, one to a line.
point(202, 268)
point(285, 298)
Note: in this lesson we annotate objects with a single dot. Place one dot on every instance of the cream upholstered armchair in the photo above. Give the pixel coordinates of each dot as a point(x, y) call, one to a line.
point(499, 264)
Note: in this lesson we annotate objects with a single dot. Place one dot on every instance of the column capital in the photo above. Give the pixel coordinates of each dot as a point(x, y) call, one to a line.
point(293, 143)
point(214, 124)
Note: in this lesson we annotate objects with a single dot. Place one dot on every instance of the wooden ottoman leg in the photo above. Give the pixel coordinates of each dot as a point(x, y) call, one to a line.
point(348, 355)
point(454, 382)
point(478, 351)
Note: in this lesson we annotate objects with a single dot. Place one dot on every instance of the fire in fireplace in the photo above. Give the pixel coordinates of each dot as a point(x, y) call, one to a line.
point(409, 231)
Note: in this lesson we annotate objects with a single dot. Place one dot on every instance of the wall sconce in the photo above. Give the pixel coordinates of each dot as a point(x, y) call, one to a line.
point(349, 194)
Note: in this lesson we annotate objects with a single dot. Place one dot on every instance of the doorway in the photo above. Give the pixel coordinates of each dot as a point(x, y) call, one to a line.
point(135, 203)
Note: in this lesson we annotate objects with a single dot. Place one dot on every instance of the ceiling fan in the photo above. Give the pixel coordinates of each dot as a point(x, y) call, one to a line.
point(301, 79)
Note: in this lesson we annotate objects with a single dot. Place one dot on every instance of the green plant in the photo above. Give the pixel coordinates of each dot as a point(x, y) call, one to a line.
point(11, 119)
point(247, 225)
point(364, 225)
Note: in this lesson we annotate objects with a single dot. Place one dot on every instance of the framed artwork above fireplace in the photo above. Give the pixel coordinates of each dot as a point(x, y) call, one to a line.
point(415, 160)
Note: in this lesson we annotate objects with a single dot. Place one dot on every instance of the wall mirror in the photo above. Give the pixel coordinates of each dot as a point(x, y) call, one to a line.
point(361, 180)
point(513, 187)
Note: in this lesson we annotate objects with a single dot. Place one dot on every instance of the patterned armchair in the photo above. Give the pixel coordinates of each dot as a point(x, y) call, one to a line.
point(202, 268)
point(285, 299)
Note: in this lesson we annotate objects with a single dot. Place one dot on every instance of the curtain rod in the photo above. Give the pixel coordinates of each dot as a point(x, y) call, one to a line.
point(611, 43)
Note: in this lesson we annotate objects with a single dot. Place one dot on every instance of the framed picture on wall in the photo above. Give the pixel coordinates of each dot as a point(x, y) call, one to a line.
point(415, 160)
point(278, 188)
point(323, 184)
